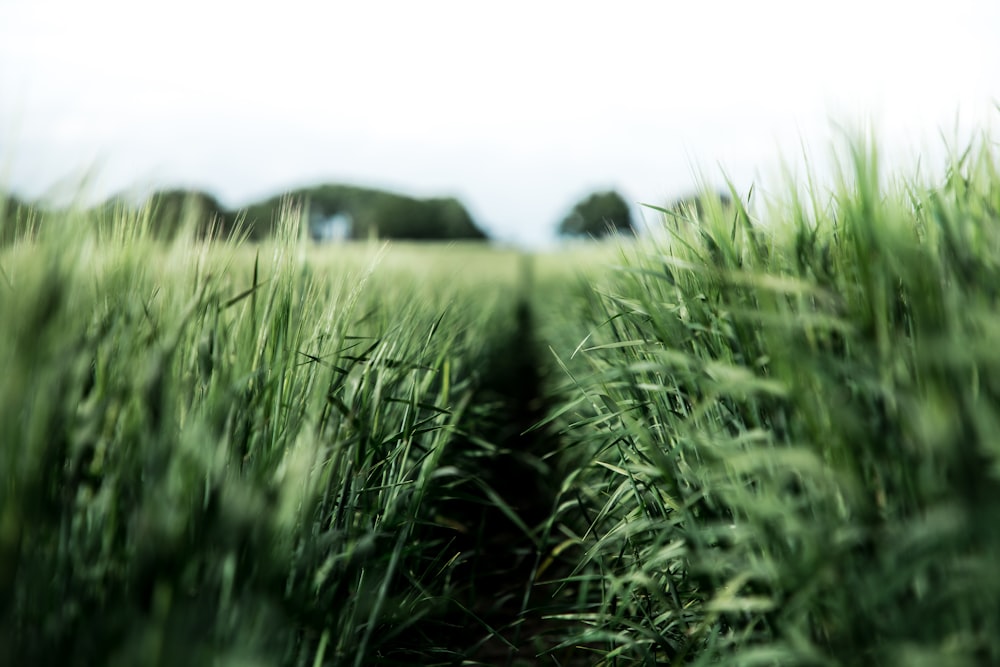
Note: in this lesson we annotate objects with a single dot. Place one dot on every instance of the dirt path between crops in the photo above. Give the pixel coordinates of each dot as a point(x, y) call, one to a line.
point(515, 610)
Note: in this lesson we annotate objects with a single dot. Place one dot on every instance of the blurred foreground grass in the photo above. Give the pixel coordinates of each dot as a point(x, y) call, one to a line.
point(763, 438)
point(786, 430)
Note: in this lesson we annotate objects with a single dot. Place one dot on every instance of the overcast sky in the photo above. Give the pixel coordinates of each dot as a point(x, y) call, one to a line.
point(518, 108)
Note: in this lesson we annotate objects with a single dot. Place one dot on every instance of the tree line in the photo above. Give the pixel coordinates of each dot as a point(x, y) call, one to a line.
point(370, 212)
point(356, 212)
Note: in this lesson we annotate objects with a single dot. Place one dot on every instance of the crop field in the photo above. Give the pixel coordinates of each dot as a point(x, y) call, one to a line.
point(765, 436)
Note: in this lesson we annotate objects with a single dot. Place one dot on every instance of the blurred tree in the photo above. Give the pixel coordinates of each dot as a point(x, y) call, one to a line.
point(598, 215)
point(398, 217)
point(373, 213)
point(172, 210)
point(454, 220)
point(367, 212)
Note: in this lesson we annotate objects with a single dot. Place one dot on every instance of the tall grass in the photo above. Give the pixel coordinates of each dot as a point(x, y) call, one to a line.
point(762, 439)
point(790, 431)
point(226, 455)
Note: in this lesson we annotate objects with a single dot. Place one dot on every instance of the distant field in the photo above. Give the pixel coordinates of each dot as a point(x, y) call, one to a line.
point(763, 437)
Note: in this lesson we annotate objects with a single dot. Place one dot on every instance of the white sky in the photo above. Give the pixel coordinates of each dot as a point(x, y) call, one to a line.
point(518, 108)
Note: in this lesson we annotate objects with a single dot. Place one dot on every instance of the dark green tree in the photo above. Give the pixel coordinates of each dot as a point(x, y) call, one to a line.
point(598, 215)
point(453, 219)
point(372, 212)
point(171, 210)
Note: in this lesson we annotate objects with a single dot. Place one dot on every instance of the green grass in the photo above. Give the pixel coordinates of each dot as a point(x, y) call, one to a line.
point(761, 437)
point(786, 432)
point(224, 451)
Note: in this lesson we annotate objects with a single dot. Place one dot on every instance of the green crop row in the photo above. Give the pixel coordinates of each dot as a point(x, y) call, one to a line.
point(760, 436)
point(216, 454)
point(785, 431)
